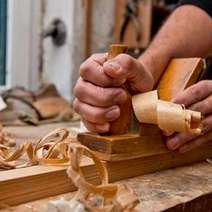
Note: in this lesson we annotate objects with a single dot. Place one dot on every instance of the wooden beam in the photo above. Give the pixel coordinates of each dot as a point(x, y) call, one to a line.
point(88, 26)
point(36, 182)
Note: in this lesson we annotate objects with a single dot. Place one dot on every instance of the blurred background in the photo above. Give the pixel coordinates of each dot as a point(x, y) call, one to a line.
point(45, 41)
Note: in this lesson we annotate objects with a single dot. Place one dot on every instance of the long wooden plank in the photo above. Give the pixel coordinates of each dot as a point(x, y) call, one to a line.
point(27, 184)
point(159, 191)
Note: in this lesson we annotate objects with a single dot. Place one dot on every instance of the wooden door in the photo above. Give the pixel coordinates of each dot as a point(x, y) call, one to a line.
point(61, 63)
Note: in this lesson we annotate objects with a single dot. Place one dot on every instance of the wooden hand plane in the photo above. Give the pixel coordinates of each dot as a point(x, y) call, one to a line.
point(149, 141)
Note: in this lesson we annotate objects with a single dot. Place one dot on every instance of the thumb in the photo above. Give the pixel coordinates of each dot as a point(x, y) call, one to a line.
point(126, 68)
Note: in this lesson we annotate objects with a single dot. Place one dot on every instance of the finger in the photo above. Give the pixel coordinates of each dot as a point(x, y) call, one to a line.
point(180, 139)
point(197, 142)
point(91, 70)
point(98, 96)
point(98, 115)
point(125, 67)
point(204, 106)
point(100, 58)
point(195, 93)
point(100, 128)
point(167, 133)
point(207, 124)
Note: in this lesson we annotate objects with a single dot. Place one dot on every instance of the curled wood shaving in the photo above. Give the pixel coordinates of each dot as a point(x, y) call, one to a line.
point(6, 139)
point(103, 197)
point(52, 149)
point(169, 117)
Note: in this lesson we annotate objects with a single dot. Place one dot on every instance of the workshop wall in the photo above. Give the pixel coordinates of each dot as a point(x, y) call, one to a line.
point(61, 63)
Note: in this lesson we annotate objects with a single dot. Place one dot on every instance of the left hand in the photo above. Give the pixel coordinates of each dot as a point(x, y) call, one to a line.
point(198, 98)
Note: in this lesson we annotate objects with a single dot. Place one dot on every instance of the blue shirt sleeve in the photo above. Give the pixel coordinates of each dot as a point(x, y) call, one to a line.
point(206, 5)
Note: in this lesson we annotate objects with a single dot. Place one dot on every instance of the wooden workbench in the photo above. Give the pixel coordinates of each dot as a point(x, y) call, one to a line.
point(181, 189)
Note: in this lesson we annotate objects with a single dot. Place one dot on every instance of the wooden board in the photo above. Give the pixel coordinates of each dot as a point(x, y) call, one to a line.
point(27, 184)
point(186, 188)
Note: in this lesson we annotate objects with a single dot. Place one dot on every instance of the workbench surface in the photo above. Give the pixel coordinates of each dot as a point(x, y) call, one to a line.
point(186, 188)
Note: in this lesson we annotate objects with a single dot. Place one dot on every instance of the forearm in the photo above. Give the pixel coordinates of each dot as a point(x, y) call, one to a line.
point(187, 33)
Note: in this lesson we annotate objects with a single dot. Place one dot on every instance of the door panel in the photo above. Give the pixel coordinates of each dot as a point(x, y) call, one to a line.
point(61, 63)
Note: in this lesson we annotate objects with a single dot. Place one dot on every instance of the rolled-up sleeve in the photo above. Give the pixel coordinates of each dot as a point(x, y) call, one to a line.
point(206, 5)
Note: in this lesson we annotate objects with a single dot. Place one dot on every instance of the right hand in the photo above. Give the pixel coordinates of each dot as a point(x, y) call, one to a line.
point(98, 92)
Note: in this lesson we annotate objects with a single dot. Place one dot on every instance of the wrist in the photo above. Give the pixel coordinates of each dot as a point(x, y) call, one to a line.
point(155, 61)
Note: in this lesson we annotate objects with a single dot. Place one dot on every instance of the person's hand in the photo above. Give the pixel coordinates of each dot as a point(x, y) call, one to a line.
point(199, 98)
point(98, 92)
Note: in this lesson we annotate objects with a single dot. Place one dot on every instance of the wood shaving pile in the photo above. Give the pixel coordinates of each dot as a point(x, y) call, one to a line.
point(105, 197)
point(58, 148)
point(52, 149)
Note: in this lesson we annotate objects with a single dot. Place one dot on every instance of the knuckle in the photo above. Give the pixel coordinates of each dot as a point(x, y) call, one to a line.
point(202, 86)
point(185, 137)
point(99, 58)
point(195, 107)
point(90, 68)
point(196, 92)
point(95, 56)
point(206, 84)
point(76, 105)
point(89, 126)
point(79, 89)
point(99, 70)
point(84, 67)
point(110, 96)
point(104, 95)
point(125, 60)
point(98, 116)
point(206, 106)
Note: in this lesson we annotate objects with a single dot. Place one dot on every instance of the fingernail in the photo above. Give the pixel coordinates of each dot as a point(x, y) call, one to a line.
point(114, 65)
point(113, 113)
point(173, 143)
point(103, 128)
